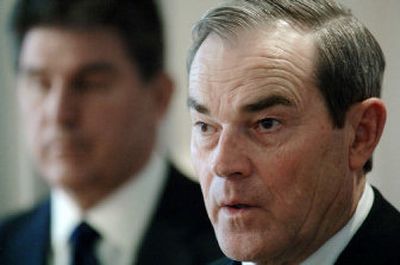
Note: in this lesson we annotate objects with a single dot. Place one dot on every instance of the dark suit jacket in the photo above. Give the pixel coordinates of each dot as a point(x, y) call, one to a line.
point(179, 234)
point(377, 242)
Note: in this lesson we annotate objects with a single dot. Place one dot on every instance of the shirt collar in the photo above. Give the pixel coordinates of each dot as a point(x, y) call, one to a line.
point(121, 218)
point(330, 251)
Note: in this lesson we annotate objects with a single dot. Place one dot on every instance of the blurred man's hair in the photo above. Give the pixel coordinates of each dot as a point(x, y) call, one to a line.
point(137, 22)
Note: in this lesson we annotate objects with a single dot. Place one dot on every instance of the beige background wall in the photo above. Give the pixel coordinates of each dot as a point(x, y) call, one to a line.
point(19, 189)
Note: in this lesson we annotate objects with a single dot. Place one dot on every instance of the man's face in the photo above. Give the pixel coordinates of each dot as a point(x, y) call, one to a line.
point(89, 117)
point(273, 170)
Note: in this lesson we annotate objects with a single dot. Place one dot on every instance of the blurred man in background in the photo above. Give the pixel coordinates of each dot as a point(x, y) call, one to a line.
point(284, 98)
point(92, 91)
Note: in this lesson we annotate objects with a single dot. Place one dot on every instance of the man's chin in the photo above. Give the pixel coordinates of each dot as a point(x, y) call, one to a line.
point(247, 247)
point(65, 177)
point(237, 248)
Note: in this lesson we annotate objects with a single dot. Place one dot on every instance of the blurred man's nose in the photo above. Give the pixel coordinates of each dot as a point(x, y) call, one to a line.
point(61, 105)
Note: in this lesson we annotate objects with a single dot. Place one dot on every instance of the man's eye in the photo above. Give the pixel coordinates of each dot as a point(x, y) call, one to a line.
point(91, 84)
point(204, 128)
point(36, 84)
point(268, 124)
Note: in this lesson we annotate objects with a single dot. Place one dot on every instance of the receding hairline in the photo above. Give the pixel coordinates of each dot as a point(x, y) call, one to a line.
point(231, 17)
point(234, 37)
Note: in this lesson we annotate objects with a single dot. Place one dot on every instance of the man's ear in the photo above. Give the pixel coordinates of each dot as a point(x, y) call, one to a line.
point(367, 119)
point(162, 87)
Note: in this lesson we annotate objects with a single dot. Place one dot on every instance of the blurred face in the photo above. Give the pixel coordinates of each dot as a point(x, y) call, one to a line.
point(90, 119)
point(273, 170)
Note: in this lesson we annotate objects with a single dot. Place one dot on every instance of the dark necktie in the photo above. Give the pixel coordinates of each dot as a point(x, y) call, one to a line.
point(83, 241)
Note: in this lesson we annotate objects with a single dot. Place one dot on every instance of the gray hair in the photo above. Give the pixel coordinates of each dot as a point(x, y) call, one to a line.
point(349, 61)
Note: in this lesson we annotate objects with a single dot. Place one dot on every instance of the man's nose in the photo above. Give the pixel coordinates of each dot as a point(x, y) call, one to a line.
point(61, 105)
point(231, 157)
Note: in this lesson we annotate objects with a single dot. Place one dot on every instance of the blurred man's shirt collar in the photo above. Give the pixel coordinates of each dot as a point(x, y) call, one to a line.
point(121, 219)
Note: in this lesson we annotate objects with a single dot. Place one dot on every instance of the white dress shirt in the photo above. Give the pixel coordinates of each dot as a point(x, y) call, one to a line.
point(328, 253)
point(120, 219)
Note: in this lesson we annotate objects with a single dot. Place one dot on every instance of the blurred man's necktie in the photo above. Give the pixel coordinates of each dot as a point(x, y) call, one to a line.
point(83, 241)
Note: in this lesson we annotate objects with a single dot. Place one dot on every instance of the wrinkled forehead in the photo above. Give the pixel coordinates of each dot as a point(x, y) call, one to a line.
point(268, 46)
point(260, 63)
point(267, 37)
point(233, 32)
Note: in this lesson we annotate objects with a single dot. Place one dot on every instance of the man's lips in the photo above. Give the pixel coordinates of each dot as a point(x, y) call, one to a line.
point(238, 209)
point(232, 207)
point(237, 206)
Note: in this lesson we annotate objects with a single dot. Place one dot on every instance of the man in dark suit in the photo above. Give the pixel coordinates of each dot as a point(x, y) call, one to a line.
point(92, 91)
point(285, 102)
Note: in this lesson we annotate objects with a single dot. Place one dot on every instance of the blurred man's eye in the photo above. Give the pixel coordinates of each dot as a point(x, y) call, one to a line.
point(35, 83)
point(92, 83)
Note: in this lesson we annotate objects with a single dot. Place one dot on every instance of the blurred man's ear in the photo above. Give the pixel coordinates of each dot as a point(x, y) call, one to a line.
point(367, 119)
point(163, 88)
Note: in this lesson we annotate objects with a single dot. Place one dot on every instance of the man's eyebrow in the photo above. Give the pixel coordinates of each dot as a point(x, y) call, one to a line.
point(193, 104)
point(266, 102)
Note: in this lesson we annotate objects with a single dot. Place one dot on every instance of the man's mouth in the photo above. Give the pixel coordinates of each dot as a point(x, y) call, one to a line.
point(66, 150)
point(239, 206)
point(236, 208)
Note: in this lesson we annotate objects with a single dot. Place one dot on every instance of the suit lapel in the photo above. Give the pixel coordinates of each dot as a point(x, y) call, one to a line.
point(226, 261)
point(163, 244)
point(165, 239)
point(231, 262)
point(33, 242)
point(180, 233)
point(377, 240)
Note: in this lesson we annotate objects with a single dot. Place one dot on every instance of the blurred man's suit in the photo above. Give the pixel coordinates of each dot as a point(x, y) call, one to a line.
point(25, 239)
point(93, 91)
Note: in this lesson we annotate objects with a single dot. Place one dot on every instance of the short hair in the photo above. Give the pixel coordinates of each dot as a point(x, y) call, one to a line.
point(137, 22)
point(349, 61)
